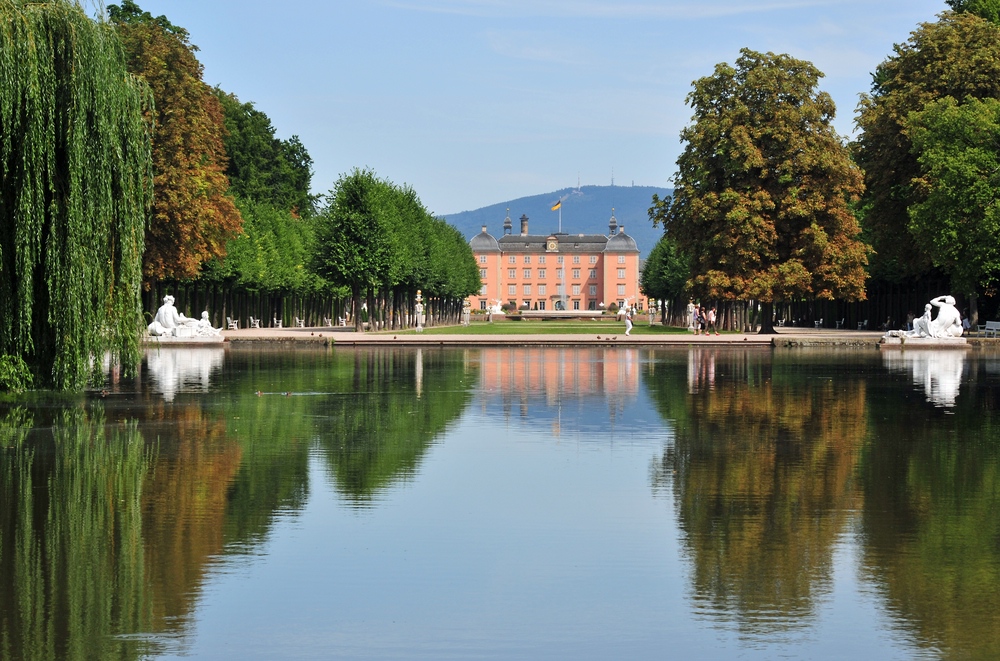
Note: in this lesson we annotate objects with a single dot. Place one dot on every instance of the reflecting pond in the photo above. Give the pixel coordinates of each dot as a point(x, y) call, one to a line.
point(503, 503)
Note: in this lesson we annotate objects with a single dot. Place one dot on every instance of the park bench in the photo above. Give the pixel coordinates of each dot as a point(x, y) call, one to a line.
point(254, 323)
point(275, 322)
point(327, 321)
point(863, 325)
point(231, 324)
point(300, 323)
point(991, 328)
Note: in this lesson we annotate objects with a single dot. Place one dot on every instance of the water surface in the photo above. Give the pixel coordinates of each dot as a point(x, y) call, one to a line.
point(506, 504)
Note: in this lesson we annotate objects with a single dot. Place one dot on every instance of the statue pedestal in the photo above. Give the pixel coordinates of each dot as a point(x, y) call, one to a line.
point(923, 343)
point(184, 331)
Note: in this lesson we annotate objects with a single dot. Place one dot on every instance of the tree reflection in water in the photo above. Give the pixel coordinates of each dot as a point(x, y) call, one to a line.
point(931, 529)
point(72, 557)
point(115, 510)
point(761, 471)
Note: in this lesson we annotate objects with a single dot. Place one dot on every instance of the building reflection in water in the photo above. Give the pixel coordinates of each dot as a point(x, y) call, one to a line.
point(191, 368)
point(597, 384)
point(937, 371)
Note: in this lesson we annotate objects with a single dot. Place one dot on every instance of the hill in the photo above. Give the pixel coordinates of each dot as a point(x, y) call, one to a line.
point(585, 210)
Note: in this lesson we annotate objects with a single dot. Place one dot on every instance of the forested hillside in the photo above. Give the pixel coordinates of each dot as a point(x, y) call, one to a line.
point(586, 210)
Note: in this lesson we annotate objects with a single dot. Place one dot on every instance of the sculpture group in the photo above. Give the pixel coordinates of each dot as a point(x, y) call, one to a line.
point(168, 322)
point(947, 325)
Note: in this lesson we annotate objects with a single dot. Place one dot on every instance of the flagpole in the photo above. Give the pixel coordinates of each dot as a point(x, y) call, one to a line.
point(560, 216)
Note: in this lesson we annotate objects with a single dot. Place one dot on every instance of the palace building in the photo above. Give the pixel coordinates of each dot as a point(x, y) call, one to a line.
point(557, 271)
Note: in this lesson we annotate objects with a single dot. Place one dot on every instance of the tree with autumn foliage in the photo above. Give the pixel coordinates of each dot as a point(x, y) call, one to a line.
point(763, 193)
point(192, 215)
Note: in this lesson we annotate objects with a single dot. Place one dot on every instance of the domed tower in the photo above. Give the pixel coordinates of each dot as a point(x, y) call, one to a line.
point(484, 242)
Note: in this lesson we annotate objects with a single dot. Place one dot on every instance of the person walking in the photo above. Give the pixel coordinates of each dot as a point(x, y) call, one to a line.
point(628, 320)
point(710, 326)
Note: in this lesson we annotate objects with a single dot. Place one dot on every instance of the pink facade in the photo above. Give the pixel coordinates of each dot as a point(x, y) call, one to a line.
point(557, 271)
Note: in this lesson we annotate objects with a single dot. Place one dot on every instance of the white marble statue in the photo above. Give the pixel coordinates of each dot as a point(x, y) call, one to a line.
point(204, 327)
point(922, 324)
point(947, 325)
point(948, 322)
point(168, 319)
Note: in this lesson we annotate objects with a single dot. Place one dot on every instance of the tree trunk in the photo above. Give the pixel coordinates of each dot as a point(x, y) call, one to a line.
point(767, 319)
point(356, 306)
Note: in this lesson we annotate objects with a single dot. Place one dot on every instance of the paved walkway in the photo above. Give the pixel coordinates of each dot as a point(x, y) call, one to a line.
point(614, 336)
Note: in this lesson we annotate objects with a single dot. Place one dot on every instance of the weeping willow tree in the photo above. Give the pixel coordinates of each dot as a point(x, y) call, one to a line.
point(75, 186)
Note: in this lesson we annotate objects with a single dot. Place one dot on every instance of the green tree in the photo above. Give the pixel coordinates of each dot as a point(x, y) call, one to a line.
point(261, 167)
point(193, 216)
point(958, 220)
point(957, 56)
point(75, 185)
point(355, 245)
point(764, 187)
point(664, 274)
point(988, 9)
point(273, 252)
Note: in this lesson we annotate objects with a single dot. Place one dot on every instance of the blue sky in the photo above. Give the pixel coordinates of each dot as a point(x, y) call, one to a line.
point(475, 102)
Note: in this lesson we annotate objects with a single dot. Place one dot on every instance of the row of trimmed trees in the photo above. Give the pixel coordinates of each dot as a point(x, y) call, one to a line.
point(772, 207)
point(124, 176)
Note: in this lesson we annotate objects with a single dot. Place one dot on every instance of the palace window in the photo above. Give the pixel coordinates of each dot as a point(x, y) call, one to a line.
point(541, 305)
point(527, 259)
point(541, 274)
point(482, 290)
point(541, 290)
point(593, 290)
point(576, 305)
point(482, 273)
point(621, 259)
point(511, 273)
point(621, 290)
point(512, 259)
point(482, 259)
point(541, 259)
point(576, 259)
point(482, 304)
point(527, 274)
point(576, 274)
point(593, 259)
point(560, 274)
point(576, 290)
point(527, 290)
point(621, 274)
point(592, 274)
point(559, 259)
point(512, 290)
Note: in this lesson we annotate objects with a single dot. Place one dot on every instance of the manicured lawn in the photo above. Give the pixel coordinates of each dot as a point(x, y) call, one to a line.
point(554, 327)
